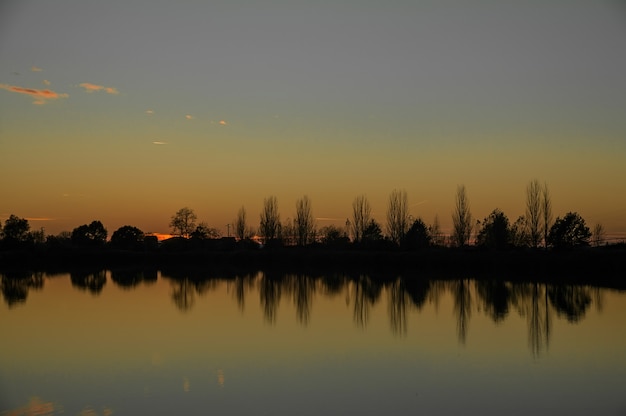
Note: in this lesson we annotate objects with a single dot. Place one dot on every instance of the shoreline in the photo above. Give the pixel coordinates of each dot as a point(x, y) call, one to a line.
point(605, 266)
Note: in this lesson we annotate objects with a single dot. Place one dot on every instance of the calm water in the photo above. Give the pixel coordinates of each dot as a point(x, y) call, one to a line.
point(111, 343)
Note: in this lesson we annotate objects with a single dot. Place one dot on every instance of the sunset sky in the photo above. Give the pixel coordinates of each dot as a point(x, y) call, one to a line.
point(126, 111)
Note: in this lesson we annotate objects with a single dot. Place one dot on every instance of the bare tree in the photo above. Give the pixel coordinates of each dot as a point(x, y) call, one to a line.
point(546, 212)
point(183, 222)
point(597, 236)
point(435, 232)
point(361, 213)
point(533, 212)
point(397, 215)
point(240, 224)
point(270, 219)
point(304, 222)
point(461, 218)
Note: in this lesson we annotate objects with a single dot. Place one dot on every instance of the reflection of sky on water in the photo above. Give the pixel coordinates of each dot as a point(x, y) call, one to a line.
point(312, 347)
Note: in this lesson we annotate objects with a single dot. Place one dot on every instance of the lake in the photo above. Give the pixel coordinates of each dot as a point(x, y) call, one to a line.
point(182, 342)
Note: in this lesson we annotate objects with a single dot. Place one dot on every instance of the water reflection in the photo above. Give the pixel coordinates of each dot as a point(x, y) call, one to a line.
point(537, 303)
point(93, 281)
point(129, 278)
point(16, 285)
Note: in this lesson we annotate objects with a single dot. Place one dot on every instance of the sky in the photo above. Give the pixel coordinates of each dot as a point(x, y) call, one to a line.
point(126, 111)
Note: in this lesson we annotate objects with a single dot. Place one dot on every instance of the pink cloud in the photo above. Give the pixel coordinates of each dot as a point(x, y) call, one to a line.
point(40, 96)
point(89, 87)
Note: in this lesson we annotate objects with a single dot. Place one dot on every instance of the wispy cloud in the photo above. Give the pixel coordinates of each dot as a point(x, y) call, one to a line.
point(36, 69)
point(40, 96)
point(89, 87)
point(157, 142)
point(189, 117)
point(149, 112)
point(40, 219)
point(46, 82)
point(222, 122)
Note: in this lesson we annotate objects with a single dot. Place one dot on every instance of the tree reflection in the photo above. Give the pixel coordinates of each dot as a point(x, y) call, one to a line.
point(398, 300)
point(418, 289)
point(270, 289)
point(239, 285)
point(365, 293)
point(129, 278)
point(183, 294)
point(15, 286)
point(302, 288)
point(462, 297)
point(93, 282)
point(569, 300)
point(495, 296)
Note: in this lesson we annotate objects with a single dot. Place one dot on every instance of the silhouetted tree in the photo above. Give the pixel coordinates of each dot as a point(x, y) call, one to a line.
point(37, 236)
point(546, 212)
point(417, 236)
point(304, 221)
point(495, 231)
point(533, 212)
point(204, 232)
point(127, 237)
point(435, 232)
point(569, 231)
point(15, 229)
point(372, 232)
point(332, 235)
point(93, 234)
point(361, 212)
point(519, 234)
point(287, 232)
point(240, 224)
point(597, 235)
point(270, 219)
point(183, 223)
point(461, 218)
point(397, 215)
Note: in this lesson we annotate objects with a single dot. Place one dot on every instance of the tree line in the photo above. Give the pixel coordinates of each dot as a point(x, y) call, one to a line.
point(536, 228)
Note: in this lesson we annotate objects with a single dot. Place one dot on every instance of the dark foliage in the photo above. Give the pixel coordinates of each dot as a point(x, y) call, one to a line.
point(93, 234)
point(495, 232)
point(569, 231)
point(127, 237)
point(416, 237)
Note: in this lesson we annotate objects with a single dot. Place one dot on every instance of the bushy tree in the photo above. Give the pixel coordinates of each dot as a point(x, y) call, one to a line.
point(93, 234)
point(204, 232)
point(183, 223)
point(127, 237)
point(519, 233)
point(332, 235)
point(569, 231)
point(417, 236)
point(494, 232)
point(372, 232)
point(15, 229)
